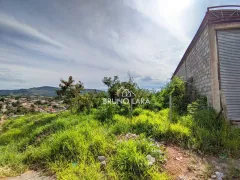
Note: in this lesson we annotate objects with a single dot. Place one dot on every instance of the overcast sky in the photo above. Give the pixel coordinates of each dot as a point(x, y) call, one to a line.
point(42, 41)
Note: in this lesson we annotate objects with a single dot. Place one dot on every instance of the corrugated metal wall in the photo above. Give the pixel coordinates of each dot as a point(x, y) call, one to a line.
point(229, 64)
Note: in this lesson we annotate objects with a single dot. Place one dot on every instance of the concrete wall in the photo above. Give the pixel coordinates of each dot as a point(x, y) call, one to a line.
point(201, 64)
point(197, 66)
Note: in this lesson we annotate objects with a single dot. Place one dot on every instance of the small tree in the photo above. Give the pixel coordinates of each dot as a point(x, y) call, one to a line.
point(70, 92)
point(114, 84)
point(65, 89)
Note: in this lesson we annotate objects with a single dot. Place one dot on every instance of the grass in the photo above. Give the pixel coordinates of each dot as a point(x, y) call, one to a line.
point(68, 145)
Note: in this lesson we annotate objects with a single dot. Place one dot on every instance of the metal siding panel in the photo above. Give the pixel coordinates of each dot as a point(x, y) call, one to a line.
point(229, 60)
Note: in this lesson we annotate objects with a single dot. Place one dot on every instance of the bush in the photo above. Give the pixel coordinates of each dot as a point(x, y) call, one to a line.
point(179, 133)
point(180, 99)
point(124, 109)
point(121, 125)
point(210, 134)
point(207, 118)
point(137, 111)
point(106, 112)
point(199, 104)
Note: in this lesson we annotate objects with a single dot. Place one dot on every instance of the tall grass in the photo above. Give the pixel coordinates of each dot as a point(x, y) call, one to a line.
point(68, 145)
point(201, 131)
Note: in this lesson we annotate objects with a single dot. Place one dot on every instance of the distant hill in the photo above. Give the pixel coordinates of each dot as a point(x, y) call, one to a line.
point(37, 91)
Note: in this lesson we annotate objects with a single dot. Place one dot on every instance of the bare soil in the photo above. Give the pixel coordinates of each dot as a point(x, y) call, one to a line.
point(182, 164)
point(30, 175)
point(185, 165)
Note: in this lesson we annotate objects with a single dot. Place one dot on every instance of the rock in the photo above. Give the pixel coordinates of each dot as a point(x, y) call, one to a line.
point(101, 158)
point(103, 165)
point(131, 136)
point(151, 160)
point(179, 158)
point(219, 175)
point(214, 176)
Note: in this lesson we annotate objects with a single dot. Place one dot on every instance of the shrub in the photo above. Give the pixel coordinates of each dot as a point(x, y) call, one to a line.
point(213, 135)
point(137, 111)
point(125, 110)
point(206, 131)
point(121, 125)
point(207, 118)
point(230, 137)
point(179, 133)
point(106, 112)
point(199, 104)
point(180, 99)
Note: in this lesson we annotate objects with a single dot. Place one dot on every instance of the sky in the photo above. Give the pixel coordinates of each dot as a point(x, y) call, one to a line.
point(42, 41)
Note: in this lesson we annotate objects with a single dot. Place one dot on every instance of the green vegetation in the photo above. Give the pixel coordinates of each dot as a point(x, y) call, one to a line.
point(68, 143)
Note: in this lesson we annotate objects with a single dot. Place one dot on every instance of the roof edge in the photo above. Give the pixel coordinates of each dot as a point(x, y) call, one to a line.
point(210, 18)
point(201, 28)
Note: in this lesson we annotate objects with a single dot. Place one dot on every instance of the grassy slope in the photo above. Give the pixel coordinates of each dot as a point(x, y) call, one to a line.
point(68, 145)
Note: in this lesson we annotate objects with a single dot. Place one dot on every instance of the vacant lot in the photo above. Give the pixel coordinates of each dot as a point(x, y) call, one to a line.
point(86, 146)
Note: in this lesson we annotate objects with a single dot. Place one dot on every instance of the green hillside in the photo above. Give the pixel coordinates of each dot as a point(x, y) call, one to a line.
point(37, 91)
point(70, 145)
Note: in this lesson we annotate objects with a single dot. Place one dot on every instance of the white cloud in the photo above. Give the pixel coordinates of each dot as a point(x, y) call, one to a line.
point(168, 14)
point(93, 40)
point(12, 24)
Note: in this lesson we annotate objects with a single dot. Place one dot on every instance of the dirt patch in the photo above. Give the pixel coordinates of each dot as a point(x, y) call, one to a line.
point(185, 165)
point(182, 164)
point(3, 119)
point(30, 175)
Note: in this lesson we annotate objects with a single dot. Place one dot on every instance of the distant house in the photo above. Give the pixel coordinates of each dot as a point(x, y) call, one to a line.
point(211, 62)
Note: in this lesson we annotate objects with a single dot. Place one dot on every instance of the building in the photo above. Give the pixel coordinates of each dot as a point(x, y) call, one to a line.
point(211, 63)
